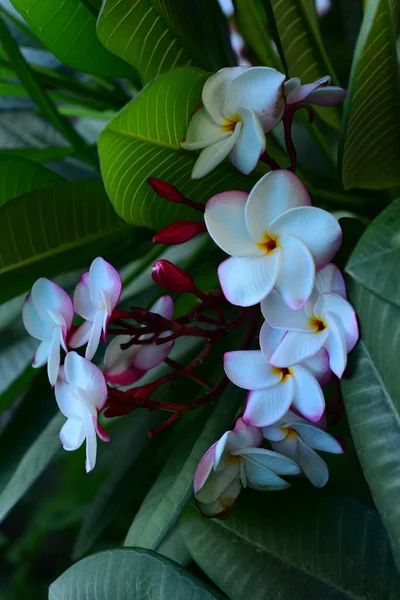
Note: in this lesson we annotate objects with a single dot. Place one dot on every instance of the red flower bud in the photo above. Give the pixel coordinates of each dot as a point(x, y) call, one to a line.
point(166, 190)
point(179, 232)
point(173, 278)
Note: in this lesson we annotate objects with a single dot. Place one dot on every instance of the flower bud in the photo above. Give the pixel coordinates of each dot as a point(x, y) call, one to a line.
point(173, 278)
point(166, 190)
point(179, 232)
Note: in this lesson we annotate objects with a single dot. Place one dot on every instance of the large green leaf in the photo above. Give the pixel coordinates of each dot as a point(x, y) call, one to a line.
point(68, 29)
point(251, 18)
point(127, 574)
point(143, 141)
point(295, 545)
point(370, 145)
point(375, 261)
point(157, 35)
point(19, 175)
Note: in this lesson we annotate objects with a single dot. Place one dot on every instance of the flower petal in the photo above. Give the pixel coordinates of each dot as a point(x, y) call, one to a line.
point(53, 364)
point(296, 347)
point(81, 335)
point(265, 407)
point(319, 231)
point(259, 477)
point(317, 438)
point(273, 195)
point(249, 370)
point(295, 280)
point(72, 434)
point(119, 365)
point(290, 86)
point(84, 375)
point(251, 142)
point(164, 307)
point(105, 285)
point(217, 482)
point(299, 93)
point(318, 365)
point(278, 463)
point(274, 432)
point(345, 314)
point(202, 131)
point(41, 355)
point(278, 314)
point(216, 89)
point(247, 281)
point(204, 469)
point(91, 441)
point(33, 323)
point(270, 338)
point(82, 302)
point(152, 355)
point(225, 221)
point(312, 465)
point(95, 334)
point(335, 344)
point(330, 279)
point(213, 155)
point(308, 399)
point(327, 96)
point(47, 295)
point(259, 89)
point(242, 435)
point(68, 402)
point(224, 504)
point(287, 447)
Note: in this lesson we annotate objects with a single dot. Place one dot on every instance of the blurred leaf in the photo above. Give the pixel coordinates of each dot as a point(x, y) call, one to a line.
point(375, 261)
point(134, 147)
point(295, 544)
point(155, 36)
point(370, 144)
point(68, 30)
point(19, 175)
point(133, 575)
point(174, 548)
point(251, 18)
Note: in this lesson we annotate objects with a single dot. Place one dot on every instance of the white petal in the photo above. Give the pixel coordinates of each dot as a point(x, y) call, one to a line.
point(299, 93)
point(164, 307)
point(53, 364)
point(249, 370)
point(224, 503)
point(274, 433)
point(265, 407)
point(95, 334)
point(72, 434)
point(204, 469)
point(275, 193)
point(242, 436)
point(319, 231)
point(105, 285)
point(327, 96)
point(295, 280)
point(33, 323)
point(82, 302)
point(308, 399)
point(270, 338)
point(330, 279)
point(317, 438)
point(335, 344)
point(68, 401)
point(202, 131)
point(81, 335)
point(318, 365)
point(226, 224)
point(287, 447)
point(278, 314)
point(216, 89)
point(247, 281)
point(278, 463)
point(295, 347)
point(345, 314)
point(251, 142)
point(312, 465)
point(119, 365)
point(259, 477)
point(213, 155)
point(217, 482)
point(41, 355)
point(152, 355)
point(91, 440)
point(259, 89)
point(290, 86)
point(82, 374)
point(47, 295)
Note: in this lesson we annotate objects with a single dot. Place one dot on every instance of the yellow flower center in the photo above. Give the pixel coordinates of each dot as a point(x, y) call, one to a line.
point(267, 243)
point(289, 432)
point(284, 373)
point(230, 124)
point(317, 324)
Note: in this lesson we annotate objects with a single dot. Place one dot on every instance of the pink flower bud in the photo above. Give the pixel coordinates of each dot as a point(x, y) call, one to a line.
point(173, 278)
point(179, 232)
point(166, 190)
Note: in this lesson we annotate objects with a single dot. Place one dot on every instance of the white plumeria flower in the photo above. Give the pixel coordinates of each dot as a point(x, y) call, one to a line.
point(239, 105)
point(274, 390)
point(95, 297)
point(236, 461)
point(275, 239)
point(296, 438)
point(47, 315)
point(123, 367)
point(81, 393)
point(326, 321)
point(319, 92)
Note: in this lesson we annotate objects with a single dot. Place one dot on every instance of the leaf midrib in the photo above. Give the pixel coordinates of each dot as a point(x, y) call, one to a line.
point(143, 138)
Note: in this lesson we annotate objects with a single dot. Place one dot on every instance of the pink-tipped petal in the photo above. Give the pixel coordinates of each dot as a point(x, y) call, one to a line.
point(312, 465)
point(202, 131)
point(317, 438)
point(330, 280)
point(216, 89)
point(95, 334)
point(335, 344)
point(318, 365)
point(105, 285)
point(242, 435)
point(308, 399)
point(296, 347)
point(265, 407)
point(82, 302)
point(327, 96)
point(299, 93)
point(33, 323)
point(119, 365)
point(81, 335)
point(164, 307)
point(295, 280)
point(102, 433)
point(270, 339)
point(250, 144)
point(204, 469)
point(84, 375)
point(279, 315)
point(152, 355)
point(72, 434)
point(41, 355)
point(247, 281)
point(249, 370)
point(48, 296)
point(345, 314)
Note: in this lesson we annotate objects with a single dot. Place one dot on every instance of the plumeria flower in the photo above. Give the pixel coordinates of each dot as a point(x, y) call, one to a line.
point(81, 393)
point(296, 438)
point(239, 105)
point(236, 461)
point(275, 239)
point(274, 390)
point(123, 367)
point(327, 321)
point(95, 297)
point(47, 315)
point(319, 93)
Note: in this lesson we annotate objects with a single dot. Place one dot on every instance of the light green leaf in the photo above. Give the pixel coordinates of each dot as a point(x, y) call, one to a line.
point(370, 144)
point(251, 18)
point(144, 141)
point(126, 574)
point(19, 175)
point(68, 30)
point(376, 258)
point(295, 545)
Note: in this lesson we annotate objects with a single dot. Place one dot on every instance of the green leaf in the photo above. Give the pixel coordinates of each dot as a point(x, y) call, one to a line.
point(375, 260)
point(144, 141)
point(251, 18)
point(126, 574)
point(19, 175)
point(155, 36)
point(370, 145)
point(68, 30)
point(295, 544)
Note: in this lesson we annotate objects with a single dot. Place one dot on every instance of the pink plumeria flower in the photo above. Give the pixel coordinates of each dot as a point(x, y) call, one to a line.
point(274, 390)
point(95, 297)
point(239, 105)
point(236, 461)
point(81, 393)
point(327, 321)
point(296, 438)
point(275, 239)
point(124, 367)
point(47, 316)
point(319, 93)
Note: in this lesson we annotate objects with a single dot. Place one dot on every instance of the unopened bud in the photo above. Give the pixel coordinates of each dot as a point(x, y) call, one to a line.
point(173, 278)
point(179, 232)
point(166, 190)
